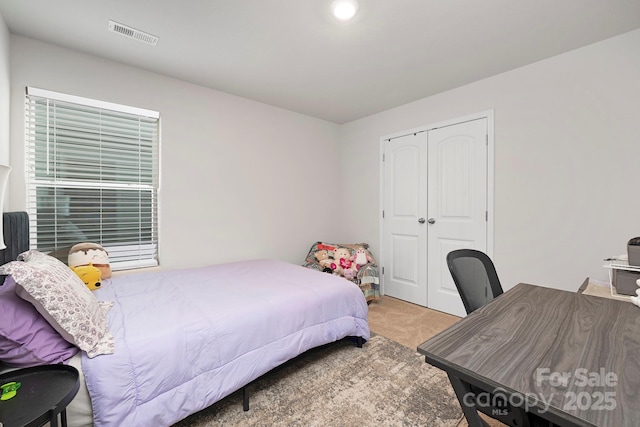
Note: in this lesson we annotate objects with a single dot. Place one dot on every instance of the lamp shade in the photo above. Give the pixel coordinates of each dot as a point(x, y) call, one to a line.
point(4, 177)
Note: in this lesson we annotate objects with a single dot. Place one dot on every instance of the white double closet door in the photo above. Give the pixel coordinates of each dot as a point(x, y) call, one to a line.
point(435, 191)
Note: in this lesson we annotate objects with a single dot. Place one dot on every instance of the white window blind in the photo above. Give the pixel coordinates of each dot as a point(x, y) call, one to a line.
point(92, 176)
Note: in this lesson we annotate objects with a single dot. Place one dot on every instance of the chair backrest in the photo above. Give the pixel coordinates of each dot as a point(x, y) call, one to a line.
point(475, 277)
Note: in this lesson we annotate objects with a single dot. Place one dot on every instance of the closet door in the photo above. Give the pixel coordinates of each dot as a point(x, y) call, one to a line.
point(457, 205)
point(435, 188)
point(405, 207)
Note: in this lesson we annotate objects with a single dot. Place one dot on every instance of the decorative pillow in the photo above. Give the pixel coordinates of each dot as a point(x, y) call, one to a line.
point(63, 300)
point(26, 338)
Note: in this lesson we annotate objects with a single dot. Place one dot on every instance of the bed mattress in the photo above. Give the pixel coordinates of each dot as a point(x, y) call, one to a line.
point(187, 338)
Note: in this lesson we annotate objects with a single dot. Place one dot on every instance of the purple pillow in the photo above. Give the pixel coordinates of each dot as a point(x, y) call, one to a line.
point(26, 338)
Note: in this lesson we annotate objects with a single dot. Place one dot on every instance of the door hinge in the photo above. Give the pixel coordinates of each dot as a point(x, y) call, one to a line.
point(383, 155)
point(383, 214)
point(383, 271)
point(486, 216)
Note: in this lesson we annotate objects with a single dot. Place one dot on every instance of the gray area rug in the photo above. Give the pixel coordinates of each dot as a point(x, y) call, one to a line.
point(381, 384)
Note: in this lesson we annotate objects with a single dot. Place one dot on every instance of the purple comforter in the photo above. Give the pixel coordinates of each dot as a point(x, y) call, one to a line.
point(187, 338)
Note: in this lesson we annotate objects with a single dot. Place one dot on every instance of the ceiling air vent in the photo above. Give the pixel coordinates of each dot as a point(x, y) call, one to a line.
point(132, 33)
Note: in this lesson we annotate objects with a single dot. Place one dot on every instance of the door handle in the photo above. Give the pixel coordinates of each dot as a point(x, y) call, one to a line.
point(432, 221)
point(421, 220)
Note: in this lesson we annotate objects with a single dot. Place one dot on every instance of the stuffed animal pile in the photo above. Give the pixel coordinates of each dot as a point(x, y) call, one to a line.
point(341, 260)
point(353, 261)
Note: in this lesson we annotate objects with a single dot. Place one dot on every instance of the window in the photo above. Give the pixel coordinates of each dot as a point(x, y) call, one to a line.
point(92, 176)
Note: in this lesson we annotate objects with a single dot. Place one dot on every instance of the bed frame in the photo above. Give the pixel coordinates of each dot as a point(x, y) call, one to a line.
point(15, 227)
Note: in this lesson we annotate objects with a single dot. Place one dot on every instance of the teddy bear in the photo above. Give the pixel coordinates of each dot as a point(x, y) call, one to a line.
point(341, 261)
point(322, 256)
point(90, 275)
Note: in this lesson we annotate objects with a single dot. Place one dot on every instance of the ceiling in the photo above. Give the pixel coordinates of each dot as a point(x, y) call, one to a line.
point(293, 54)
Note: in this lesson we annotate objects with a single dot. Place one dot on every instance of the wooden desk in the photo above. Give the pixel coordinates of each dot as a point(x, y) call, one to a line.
point(578, 353)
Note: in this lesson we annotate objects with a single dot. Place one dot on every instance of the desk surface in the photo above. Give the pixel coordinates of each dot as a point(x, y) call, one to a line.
point(579, 353)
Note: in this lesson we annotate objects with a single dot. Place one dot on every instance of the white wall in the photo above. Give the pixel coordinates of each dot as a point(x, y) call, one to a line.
point(242, 179)
point(4, 92)
point(567, 161)
point(239, 179)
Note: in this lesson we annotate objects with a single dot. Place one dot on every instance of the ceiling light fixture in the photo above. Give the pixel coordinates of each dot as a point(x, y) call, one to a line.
point(344, 9)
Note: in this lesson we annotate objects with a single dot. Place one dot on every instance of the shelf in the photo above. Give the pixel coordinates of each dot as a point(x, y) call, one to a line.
point(621, 265)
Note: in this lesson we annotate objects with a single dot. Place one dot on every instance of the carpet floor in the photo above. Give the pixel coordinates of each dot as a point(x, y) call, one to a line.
point(382, 384)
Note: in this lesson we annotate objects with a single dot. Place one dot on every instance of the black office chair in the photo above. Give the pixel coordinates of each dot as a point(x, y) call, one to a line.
point(475, 277)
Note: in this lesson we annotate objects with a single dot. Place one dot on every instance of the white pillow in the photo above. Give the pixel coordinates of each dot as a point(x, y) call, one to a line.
point(60, 297)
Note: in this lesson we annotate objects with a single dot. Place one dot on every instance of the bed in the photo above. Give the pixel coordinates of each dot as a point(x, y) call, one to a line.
point(183, 339)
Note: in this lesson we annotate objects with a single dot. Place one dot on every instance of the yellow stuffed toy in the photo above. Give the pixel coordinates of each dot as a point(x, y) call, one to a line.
point(90, 253)
point(89, 275)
